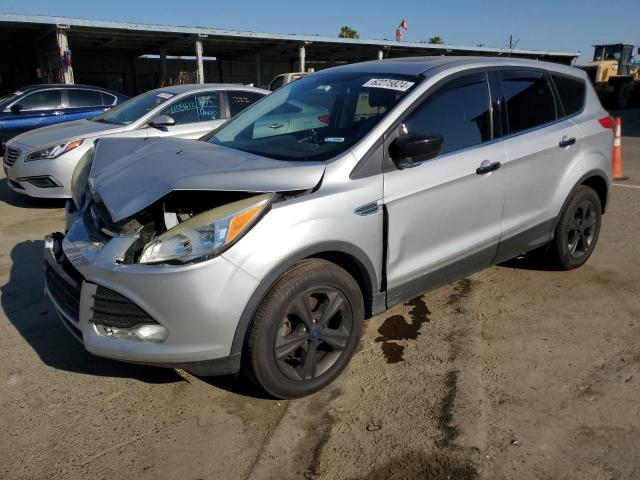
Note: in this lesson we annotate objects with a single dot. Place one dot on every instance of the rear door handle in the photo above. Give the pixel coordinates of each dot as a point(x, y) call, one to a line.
point(567, 142)
point(487, 167)
point(277, 125)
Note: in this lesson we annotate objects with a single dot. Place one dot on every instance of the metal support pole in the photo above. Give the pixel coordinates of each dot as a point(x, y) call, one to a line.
point(380, 55)
point(66, 73)
point(302, 58)
point(163, 67)
point(200, 71)
point(258, 73)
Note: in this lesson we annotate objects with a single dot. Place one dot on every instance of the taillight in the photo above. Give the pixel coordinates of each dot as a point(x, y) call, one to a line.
point(324, 118)
point(607, 122)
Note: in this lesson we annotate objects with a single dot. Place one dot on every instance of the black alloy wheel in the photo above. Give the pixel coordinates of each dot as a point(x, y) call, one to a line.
point(305, 330)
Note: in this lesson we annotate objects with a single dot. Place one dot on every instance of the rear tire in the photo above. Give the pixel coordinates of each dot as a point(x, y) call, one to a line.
point(305, 330)
point(577, 231)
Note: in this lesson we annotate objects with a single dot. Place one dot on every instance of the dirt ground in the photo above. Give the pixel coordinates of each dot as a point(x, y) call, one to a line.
point(514, 373)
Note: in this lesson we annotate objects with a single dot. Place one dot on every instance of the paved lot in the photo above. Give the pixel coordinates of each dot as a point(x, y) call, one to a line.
point(515, 372)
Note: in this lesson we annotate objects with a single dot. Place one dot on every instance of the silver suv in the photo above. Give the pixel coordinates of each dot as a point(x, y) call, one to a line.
point(264, 248)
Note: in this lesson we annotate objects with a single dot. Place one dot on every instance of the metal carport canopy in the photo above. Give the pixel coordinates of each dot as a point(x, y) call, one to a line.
point(140, 38)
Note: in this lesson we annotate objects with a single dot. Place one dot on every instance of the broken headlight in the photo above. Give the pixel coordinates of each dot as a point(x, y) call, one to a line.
point(206, 234)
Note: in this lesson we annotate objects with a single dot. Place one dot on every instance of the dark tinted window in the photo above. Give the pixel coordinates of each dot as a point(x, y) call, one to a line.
point(238, 101)
point(42, 100)
point(528, 98)
point(108, 99)
point(276, 83)
point(571, 91)
point(459, 111)
point(194, 108)
point(84, 98)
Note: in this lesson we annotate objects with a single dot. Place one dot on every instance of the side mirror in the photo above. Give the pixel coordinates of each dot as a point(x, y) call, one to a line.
point(412, 149)
point(162, 121)
point(16, 107)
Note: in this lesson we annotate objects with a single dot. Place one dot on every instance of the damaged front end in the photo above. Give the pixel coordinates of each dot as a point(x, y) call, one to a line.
point(183, 227)
point(180, 201)
point(128, 277)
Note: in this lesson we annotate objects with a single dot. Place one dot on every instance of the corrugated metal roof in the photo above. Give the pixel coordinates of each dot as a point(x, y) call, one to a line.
point(239, 34)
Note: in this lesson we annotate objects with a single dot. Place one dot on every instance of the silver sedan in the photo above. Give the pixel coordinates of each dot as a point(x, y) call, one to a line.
point(40, 163)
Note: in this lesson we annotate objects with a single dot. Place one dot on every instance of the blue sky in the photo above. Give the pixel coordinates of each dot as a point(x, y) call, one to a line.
point(566, 25)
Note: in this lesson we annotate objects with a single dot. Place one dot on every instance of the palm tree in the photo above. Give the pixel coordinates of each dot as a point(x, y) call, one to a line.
point(348, 32)
point(437, 40)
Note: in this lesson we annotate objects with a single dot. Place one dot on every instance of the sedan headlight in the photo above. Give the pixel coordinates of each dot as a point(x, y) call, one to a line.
point(54, 151)
point(207, 234)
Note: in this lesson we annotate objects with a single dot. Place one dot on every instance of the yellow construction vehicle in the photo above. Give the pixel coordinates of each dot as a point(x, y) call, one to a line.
point(613, 73)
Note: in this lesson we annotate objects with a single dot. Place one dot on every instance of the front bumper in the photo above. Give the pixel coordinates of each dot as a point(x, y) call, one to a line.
point(199, 304)
point(28, 178)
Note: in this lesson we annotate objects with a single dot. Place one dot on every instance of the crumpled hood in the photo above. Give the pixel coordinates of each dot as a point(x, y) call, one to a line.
point(63, 132)
point(129, 174)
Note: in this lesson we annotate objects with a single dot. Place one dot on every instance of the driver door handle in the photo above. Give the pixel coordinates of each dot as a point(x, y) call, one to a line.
point(277, 125)
point(487, 167)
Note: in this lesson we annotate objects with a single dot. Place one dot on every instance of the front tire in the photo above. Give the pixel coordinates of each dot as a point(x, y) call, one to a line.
point(578, 228)
point(305, 330)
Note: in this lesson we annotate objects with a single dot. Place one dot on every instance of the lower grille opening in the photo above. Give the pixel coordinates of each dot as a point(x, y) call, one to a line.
point(111, 308)
point(16, 185)
point(66, 294)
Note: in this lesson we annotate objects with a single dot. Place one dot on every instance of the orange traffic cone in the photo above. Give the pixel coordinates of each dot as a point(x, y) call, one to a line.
point(617, 152)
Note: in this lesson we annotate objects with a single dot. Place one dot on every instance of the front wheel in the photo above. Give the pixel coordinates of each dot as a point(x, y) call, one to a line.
point(305, 330)
point(578, 228)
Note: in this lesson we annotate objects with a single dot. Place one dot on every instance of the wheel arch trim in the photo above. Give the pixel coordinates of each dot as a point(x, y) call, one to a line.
point(319, 250)
point(594, 173)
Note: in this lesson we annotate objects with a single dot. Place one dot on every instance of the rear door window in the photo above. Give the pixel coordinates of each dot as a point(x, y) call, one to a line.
point(571, 92)
point(195, 108)
point(529, 99)
point(459, 111)
point(42, 100)
point(239, 100)
point(84, 98)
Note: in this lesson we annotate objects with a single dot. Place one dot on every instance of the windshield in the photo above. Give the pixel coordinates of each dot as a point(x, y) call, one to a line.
point(316, 117)
point(133, 109)
point(611, 52)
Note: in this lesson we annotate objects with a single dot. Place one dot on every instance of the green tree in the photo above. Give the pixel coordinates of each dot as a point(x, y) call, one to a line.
point(348, 32)
point(437, 40)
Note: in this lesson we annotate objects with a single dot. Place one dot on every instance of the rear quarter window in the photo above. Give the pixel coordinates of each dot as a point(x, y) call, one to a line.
point(571, 92)
point(239, 100)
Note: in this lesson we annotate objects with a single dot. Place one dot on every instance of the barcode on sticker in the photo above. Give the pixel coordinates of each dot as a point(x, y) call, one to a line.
point(164, 95)
point(389, 83)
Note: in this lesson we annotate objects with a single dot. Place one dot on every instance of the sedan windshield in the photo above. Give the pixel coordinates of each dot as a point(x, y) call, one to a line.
point(316, 117)
point(133, 109)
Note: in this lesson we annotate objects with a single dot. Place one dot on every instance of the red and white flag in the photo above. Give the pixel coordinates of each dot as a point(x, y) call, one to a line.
point(403, 24)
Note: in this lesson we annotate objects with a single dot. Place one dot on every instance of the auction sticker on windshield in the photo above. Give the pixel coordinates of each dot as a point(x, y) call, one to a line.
point(389, 83)
point(165, 95)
